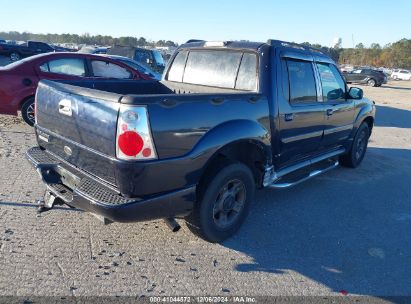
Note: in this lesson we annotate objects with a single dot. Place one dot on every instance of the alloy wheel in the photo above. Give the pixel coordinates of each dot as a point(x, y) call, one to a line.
point(229, 203)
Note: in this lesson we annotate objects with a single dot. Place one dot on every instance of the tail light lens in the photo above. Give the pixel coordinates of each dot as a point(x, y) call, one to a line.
point(134, 140)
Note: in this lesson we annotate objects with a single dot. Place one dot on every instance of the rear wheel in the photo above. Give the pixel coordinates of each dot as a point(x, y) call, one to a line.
point(357, 152)
point(224, 202)
point(27, 111)
point(372, 82)
point(15, 56)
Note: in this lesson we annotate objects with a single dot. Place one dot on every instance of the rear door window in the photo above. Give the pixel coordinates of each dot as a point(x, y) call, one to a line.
point(66, 66)
point(301, 81)
point(107, 69)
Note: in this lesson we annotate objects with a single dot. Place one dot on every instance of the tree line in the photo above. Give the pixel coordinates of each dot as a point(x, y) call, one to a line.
point(85, 39)
point(393, 55)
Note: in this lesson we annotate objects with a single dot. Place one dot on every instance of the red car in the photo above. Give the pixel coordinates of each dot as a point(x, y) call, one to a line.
point(18, 81)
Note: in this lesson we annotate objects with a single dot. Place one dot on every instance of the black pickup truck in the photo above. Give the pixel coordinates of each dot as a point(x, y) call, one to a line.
point(227, 118)
point(18, 51)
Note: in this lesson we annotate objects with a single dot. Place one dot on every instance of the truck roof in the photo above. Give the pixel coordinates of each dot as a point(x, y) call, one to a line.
point(255, 46)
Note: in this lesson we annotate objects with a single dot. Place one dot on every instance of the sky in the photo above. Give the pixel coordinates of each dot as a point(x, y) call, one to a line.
point(315, 21)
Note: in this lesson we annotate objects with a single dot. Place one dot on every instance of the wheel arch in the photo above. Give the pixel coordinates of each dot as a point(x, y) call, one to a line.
point(249, 152)
point(24, 100)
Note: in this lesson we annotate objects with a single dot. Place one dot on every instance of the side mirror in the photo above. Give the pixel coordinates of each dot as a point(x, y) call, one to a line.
point(355, 93)
point(335, 94)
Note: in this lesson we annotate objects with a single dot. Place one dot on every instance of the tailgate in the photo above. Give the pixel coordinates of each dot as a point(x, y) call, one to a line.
point(79, 125)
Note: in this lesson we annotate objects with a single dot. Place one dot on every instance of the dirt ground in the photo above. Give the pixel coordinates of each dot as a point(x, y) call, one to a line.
point(345, 232)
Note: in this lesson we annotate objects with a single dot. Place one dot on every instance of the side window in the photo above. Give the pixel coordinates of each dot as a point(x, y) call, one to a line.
point(107, 69)
point(356, 72)
point(177, 68)
point(247, 74)
point(332, 83)
point(45, 67)
point(302, 82)
point(67, 66)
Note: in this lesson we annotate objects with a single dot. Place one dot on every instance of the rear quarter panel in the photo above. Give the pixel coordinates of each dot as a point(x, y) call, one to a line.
point(181, 122)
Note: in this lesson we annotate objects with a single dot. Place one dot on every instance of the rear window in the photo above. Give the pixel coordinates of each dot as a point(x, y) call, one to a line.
point(107, 69)
point(177, 69)
point(66, 66)
point(224, 69)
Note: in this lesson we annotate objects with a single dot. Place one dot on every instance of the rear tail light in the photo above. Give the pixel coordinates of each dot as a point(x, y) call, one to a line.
point(134, 140)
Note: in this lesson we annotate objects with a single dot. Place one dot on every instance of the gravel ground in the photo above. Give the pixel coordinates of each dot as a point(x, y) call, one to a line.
point(344, 232)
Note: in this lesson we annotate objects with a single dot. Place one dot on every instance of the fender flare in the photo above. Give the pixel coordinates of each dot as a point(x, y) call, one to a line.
point(230, 132)
point(366, 111)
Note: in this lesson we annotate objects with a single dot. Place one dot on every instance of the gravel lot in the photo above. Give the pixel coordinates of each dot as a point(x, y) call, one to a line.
point(345, 231)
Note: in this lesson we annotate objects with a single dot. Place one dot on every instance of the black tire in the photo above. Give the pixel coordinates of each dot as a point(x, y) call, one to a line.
point(27, 111)
point(15, 56)
point(371, 82)
point(223, 203)
point(359, 146)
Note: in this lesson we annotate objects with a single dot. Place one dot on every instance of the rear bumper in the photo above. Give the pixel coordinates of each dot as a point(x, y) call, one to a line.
point(82, 191)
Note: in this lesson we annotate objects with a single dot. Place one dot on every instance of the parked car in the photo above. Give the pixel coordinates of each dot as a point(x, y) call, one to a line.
point(2, 41)
point(373, 78)
point(229, 117)
point(151, 58)
point(19, 80)
point(401, 74)
point(18, 51)
point(144, 69)
point(94, 50)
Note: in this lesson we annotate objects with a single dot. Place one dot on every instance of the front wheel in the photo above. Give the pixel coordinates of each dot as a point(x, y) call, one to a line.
point(27, 111)
point(359, 146)
point(224, 202)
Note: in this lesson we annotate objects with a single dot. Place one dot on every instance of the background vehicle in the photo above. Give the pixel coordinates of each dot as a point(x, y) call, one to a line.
point(2, 41)
point(18, 81)
point(150, 58)
point(16, 52)
point(144, 69)
point(227, 118)
point(401, 74)
point(369, 77)
point(94, 50)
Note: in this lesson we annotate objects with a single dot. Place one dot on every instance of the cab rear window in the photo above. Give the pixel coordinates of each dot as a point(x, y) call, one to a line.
point(223, 69)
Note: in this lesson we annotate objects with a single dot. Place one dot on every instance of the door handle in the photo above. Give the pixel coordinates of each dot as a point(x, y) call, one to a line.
point(65, 107)
point(289, 117)
point(330, 112)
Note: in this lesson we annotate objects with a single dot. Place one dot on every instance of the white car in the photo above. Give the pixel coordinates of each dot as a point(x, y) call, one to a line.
point(401, 74)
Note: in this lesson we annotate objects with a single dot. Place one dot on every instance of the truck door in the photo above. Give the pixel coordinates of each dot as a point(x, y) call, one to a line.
point(301, 114)
point(339, 111)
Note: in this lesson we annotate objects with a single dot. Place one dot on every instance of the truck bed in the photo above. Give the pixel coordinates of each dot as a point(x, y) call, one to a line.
point(176, 116)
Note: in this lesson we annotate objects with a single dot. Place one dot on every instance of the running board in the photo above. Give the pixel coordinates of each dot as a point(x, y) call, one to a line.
point(271, 176)
point(280, 185)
